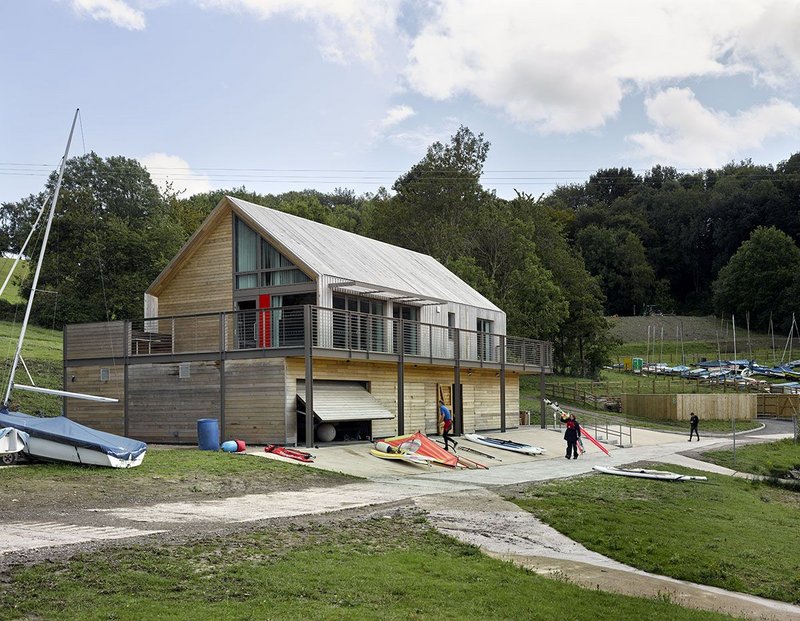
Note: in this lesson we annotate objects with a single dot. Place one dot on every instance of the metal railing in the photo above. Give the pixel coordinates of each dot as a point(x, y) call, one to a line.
point(333, 329)
point(603, 428)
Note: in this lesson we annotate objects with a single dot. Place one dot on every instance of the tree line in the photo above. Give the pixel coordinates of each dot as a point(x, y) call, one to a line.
point(716, 241)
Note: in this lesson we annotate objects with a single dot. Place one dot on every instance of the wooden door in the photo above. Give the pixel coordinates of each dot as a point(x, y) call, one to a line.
point(264, 323)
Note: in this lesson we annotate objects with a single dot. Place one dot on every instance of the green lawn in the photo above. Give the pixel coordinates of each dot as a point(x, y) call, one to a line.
point(165, 474)
point(42, 352)
point(772, 459)
point(11, 294)
point(730, 533)
point(357, 569)
point(40, 343)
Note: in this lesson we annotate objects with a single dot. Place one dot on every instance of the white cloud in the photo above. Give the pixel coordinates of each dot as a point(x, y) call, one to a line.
point(687, 133)
point(771, 41)
point(345, 28)
point(117, 12)
point(165, 169)
point(394, 116)
point(566, 66)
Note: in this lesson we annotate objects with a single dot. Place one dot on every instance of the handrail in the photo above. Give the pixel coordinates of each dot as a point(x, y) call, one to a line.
point(352, 332)
point(603, 427)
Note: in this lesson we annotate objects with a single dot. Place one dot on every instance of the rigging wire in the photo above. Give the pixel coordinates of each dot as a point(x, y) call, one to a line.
point(80, 122)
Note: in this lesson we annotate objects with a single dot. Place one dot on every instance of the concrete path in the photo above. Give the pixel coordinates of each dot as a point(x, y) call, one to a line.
point(461, 503)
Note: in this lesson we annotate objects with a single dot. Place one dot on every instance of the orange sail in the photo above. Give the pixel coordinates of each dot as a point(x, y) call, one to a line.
point(427, 447)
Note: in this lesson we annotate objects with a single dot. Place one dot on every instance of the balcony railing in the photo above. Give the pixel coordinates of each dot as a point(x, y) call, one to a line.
point(351, 333)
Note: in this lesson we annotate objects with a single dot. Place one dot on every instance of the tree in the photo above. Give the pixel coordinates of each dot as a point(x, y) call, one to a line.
point(760, 278)
point(582, 338)
point(111, 237)
point(607, 185)
point(436, 201)
point(618, 259)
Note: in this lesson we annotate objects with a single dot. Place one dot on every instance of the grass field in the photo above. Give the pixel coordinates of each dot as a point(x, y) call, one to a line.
point(42, 353)
point(166, 474)
point(11, 294)
point(775, 459)
point(726, 532)
point(368, 569)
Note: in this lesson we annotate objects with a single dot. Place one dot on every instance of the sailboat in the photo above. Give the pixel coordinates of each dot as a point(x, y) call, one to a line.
point(59, 438)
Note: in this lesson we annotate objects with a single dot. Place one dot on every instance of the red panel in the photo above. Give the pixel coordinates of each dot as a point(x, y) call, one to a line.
point(264, 323)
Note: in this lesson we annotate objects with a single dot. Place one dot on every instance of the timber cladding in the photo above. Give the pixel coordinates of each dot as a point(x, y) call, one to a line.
point(203, 282)
point(92, 380)
point(480, 398)
point(94, 340)
point(679, 407)
point(255, 401)
point(165, 403)
point(779, 406)
point(165, 400)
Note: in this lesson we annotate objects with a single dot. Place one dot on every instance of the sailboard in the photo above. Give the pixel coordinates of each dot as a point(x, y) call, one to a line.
point(643, 473)
point(506, 445)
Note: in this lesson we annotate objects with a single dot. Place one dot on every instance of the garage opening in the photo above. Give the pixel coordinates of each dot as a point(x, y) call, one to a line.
point(343, 411)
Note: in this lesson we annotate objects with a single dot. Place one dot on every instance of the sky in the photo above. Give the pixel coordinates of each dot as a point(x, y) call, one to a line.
point(279, 95)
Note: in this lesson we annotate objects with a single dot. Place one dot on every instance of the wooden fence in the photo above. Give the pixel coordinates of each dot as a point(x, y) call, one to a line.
point(779, 406)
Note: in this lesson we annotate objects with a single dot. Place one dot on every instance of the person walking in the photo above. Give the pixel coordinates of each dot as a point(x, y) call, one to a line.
point(447, 418)
point(571, 435)
point(693, 422)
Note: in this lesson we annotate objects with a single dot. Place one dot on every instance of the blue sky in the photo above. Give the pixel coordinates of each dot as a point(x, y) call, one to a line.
point(279, 95)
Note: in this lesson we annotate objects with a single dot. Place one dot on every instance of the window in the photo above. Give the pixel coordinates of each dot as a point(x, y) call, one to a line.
point(451, 324)
point(363, 327)
point(259, 264)
point(410, 337)
point(485, 340)
point(105, 374)
point(184, 370)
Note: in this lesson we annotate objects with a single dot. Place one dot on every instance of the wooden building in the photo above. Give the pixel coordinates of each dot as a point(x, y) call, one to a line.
point(258, 301)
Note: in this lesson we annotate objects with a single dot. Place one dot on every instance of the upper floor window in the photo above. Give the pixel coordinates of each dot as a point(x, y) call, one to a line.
point(259, 264)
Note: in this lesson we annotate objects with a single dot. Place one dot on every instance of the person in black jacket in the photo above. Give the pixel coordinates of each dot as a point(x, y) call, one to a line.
point(571, 435)
point(694, 422)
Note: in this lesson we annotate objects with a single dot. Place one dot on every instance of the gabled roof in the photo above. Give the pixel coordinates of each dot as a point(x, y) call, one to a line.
point(357, 263)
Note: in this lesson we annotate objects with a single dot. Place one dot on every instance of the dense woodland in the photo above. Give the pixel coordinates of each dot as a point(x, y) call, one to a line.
point(723, 241)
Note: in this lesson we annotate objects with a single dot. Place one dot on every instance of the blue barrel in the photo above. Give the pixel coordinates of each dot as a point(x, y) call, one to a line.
point(208, 434)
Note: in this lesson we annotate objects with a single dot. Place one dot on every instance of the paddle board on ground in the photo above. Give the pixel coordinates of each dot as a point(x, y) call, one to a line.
point(642, 473)
point(506, 445)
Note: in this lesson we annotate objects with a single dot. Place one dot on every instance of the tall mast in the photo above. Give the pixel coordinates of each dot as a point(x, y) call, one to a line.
point(39, 263)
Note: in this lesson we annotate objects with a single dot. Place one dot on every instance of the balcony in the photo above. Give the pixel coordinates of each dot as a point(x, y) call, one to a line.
point(283, 332)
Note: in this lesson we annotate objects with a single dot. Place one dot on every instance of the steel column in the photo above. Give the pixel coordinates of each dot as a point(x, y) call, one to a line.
point(309, 347)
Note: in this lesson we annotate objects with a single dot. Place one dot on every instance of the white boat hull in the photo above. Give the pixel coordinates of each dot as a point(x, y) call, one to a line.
point(11, 440)
point(48, 450)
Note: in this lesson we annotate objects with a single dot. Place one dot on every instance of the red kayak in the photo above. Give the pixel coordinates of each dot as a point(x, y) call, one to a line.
point(283, 451)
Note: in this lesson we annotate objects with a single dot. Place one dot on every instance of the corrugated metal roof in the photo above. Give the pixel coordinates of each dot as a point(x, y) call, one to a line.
point(333, 252)
point(341, 401)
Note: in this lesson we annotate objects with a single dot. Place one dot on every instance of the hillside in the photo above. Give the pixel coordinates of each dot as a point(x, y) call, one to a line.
point(706, 333)
point(11, 294)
